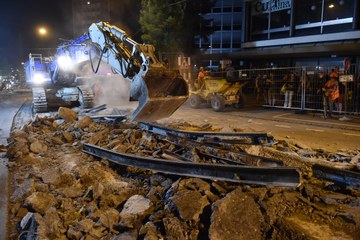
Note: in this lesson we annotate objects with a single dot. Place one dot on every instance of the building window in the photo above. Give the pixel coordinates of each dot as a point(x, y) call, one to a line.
point(271, 19)
point(237, 27)
point(226, 37)
point(280, 19)
point(260, 22)
point(216, 20)
point(338, 9)
point(227, 19)
point(335, 28)
point(237, 9)
point(216, 10)
point(267, 17)
point(308, 11)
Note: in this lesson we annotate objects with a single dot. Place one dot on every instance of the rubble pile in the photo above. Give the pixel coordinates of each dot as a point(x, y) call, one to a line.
point(59, 192)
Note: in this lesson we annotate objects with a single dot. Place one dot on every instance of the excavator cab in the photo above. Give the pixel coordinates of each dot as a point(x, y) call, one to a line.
point(160, 91)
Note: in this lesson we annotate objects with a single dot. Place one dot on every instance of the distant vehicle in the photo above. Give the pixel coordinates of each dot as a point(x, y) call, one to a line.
point(217, 92)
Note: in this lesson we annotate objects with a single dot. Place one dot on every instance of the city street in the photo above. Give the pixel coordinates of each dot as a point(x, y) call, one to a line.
point(245, 122)
point(309, 131)
point(10, 104)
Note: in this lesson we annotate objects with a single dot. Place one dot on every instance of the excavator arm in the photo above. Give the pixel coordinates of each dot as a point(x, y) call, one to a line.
point(160, 92)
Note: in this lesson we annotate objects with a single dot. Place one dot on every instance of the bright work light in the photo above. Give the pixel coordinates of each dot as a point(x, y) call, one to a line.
point(64, 62)
point(38, 78)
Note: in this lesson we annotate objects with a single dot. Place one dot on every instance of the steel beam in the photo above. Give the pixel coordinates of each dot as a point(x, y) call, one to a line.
point(287, 177)
point(342, 177)
point(213, 137)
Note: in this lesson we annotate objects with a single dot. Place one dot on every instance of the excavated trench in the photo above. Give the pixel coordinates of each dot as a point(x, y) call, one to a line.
point(59, 192)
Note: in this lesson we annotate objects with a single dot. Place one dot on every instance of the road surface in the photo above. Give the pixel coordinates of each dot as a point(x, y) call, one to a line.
point(308, 129)
point(9, 105)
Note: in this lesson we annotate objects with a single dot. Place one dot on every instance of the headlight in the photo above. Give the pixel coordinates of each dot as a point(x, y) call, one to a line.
point(64, 62)
point(38, 78)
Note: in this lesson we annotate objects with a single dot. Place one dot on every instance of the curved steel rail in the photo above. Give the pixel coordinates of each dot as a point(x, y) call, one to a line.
point(287, 177)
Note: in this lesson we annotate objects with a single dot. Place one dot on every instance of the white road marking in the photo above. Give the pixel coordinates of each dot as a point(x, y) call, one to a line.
point(315, 130)
point(280, 115)
point(283, 126)
point(352, 134)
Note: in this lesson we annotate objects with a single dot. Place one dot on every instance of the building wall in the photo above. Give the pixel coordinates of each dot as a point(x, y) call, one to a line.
point(308, 27)
point(283, 32)
point(86, 12)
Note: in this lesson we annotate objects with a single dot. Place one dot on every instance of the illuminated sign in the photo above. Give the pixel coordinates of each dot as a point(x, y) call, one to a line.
point(265, 6)
point(346, 78)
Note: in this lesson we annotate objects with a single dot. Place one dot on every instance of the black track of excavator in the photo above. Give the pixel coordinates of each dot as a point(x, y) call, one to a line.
point(39, 100)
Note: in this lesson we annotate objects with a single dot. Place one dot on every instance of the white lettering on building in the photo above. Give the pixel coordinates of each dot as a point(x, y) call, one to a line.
point(265, 6)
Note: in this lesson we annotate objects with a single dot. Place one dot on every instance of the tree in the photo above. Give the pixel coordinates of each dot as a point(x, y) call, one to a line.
point(171, 25)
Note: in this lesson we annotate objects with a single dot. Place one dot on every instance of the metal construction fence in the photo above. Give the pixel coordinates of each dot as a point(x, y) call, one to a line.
point(301, 87)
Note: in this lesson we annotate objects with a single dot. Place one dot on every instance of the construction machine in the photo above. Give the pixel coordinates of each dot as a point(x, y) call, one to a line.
point(59, 80)
point(217, 92)
point(159, 91)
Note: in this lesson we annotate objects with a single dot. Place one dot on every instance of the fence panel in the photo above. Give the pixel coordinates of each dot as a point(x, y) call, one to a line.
point(276, 87)
point(301, 87)
point(349, 94)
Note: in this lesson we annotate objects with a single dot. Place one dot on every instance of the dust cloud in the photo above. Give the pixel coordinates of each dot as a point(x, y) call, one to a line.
point(109, 88)
point(112, 90)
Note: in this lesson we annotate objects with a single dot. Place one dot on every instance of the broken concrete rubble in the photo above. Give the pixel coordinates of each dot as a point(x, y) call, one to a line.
point(74, 196)
point(67, 114)
point(245, 221)
point(84, 122)
point(135, 210)
point(38, 147)
point(40, 202)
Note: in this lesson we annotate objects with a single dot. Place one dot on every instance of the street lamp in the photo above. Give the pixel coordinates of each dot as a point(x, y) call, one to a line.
point(42, 31)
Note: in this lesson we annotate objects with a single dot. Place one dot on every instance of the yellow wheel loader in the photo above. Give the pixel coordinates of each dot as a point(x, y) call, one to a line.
point(217, 92)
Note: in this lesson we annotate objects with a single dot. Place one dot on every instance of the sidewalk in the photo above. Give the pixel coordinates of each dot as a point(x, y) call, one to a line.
point(349, 122)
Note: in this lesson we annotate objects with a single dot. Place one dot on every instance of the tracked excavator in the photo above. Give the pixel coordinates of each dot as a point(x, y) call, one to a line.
point(159, 91)
point(60, 80)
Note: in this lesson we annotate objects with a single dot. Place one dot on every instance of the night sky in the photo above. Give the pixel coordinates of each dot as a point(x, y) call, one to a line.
point(20, 20)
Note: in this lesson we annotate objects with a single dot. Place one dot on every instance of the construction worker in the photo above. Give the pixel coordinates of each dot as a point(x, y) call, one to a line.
point(200, 78)
point(331, 93)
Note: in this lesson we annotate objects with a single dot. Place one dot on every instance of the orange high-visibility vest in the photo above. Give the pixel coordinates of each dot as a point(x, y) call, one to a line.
point(333, 86)
point(201, 75)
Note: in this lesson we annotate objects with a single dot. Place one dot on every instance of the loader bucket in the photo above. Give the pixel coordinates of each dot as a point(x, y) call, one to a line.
point(160, 93)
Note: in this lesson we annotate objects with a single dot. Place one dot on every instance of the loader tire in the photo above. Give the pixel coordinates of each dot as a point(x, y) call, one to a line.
point(195, 101)
point(218, 103)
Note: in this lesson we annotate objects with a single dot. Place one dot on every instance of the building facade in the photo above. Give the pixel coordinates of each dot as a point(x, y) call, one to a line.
point(226, 17)
point(285, 32)
point(226, 24)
